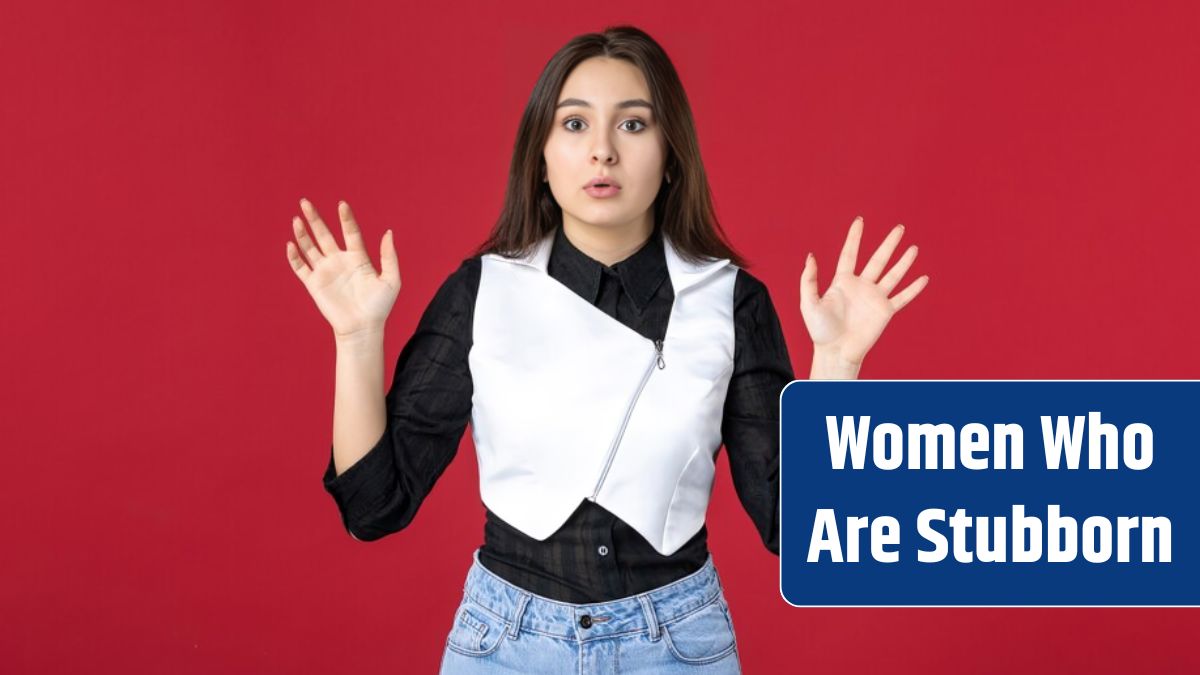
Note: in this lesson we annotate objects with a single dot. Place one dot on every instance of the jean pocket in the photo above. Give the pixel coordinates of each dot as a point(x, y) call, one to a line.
point(703, 636)
point(476, 631)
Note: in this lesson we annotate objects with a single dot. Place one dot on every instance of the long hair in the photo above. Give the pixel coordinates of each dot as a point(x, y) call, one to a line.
point(683, 208)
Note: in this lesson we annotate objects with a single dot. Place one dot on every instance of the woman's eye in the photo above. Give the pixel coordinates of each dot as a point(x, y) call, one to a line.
point(567, 124)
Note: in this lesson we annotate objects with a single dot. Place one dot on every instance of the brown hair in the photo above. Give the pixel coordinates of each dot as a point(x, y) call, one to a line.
point(683, 208)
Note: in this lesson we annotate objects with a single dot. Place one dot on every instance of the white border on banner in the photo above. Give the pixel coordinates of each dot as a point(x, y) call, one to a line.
point(850, 382)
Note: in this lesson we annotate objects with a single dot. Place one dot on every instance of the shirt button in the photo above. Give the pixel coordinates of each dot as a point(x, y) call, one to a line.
point(586, 621)
point(603, 550)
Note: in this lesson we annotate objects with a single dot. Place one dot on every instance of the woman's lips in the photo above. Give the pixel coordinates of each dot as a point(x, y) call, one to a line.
point(602, 192)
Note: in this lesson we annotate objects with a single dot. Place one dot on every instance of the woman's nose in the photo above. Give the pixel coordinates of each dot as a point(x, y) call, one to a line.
point(604, 152)
point(605, 155)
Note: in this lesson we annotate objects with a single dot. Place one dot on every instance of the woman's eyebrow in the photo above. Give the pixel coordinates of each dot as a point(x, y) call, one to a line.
point(631, 103)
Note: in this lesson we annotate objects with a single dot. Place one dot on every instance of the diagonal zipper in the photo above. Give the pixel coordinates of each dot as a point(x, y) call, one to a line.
point(612, 450)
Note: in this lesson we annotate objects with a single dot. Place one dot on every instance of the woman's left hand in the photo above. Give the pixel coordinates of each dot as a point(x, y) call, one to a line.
point(849, 318)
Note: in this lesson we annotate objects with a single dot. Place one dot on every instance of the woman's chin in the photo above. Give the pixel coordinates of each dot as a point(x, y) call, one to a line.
point(604, 216)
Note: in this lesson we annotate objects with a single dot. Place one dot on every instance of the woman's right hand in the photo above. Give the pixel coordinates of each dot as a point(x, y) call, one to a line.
point(344, 284)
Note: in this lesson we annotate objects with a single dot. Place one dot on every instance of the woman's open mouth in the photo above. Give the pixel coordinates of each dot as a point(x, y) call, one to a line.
point(601, 190)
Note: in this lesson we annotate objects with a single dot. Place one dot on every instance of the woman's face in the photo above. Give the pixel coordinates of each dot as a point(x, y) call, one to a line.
point(604, 126)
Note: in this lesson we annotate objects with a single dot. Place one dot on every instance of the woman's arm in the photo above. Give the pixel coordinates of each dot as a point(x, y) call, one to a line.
point(750, 424)
point(411, 435)
point(844, 324)
point(359, 414)
point(387, 450)
point(829, 365)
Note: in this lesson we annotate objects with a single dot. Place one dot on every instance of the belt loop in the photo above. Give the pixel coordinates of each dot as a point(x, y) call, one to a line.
point(515, 630)
point(651, 619)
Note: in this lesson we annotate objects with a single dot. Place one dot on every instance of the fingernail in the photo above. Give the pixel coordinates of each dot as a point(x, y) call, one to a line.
point(859, 218)
point(341, 204)
point(303, 201)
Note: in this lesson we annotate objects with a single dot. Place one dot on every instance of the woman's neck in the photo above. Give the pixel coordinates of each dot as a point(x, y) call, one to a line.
point(608, 244)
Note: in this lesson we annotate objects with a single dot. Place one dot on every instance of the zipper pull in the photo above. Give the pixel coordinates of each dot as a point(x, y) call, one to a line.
point(658, 347)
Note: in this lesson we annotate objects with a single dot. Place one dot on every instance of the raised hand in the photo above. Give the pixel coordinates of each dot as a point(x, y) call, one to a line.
point(855, 309)
point(351, 296)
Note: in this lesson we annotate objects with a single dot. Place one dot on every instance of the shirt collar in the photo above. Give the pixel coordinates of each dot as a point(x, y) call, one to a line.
point(641, 273)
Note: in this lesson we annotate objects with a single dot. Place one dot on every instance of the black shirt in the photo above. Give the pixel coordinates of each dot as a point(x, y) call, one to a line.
point(594, 556)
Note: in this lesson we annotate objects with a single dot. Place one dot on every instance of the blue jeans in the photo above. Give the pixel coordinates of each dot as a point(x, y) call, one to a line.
point(682, 627)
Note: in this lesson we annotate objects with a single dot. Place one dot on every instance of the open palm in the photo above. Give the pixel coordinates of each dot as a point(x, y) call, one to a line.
point(856, 308)
point(349, 293)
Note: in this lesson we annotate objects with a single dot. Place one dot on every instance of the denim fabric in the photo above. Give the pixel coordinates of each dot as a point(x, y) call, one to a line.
point(682, 627)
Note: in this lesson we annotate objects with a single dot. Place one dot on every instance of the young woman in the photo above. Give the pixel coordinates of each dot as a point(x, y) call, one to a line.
point(604, 342)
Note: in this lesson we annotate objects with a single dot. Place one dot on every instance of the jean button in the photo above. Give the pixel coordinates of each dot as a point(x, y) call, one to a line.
point(603, 550)
point(586, 621)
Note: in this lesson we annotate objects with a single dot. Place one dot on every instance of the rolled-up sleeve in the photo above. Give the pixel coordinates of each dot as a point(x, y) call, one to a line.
point(428, 408)
point(750, 427)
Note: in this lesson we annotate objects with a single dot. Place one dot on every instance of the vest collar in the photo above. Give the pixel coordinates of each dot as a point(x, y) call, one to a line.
point(682, 272)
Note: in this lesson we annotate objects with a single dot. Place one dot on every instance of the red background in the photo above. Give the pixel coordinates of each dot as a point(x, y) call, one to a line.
point(169, 382)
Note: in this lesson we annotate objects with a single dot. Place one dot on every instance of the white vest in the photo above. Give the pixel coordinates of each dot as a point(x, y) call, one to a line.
point(571, 404)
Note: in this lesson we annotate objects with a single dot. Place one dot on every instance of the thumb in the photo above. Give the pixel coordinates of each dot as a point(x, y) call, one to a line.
point(808, 283)
point(388, 263)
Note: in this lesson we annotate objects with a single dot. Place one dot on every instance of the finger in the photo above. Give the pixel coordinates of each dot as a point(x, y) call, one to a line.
point(808, 282)
point(350, 232)
point(894, 275)
point(324, 237)
point(875, 265)
point(305, 243)
point(298, 264)
point(849, 257)
point(387, 260)
point(906, 296)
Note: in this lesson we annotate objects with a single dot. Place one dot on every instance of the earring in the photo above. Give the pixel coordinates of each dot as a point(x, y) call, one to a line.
point(668, 176)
